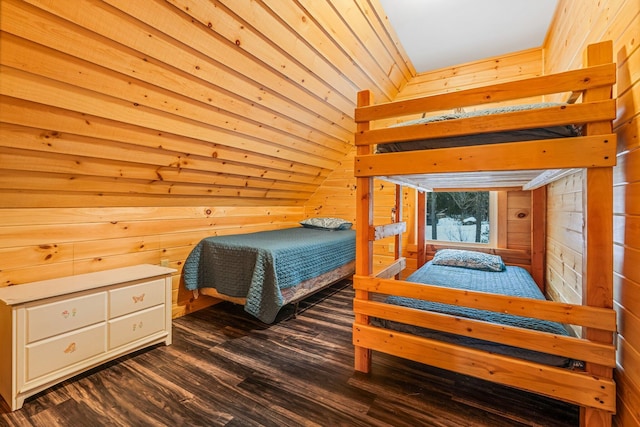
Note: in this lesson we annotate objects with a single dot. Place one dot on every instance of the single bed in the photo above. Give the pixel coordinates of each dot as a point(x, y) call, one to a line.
point(267, 270)
point(590, 107)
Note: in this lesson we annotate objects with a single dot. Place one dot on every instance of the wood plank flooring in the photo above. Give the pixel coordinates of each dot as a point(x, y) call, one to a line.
point(227, 369)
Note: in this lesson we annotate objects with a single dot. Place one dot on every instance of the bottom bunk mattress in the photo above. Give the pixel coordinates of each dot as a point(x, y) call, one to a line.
point(513, 281)
point(261, 266)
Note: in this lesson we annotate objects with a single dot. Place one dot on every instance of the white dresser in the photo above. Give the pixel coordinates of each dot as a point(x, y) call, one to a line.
point(55, 329)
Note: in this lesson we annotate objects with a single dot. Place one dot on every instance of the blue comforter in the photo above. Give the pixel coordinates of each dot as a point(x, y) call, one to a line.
point(258, 265)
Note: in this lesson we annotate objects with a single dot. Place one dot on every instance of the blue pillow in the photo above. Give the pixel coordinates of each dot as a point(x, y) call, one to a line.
point(468, 259)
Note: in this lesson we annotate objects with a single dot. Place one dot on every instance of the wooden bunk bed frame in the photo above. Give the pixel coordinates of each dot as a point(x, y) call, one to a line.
point(590, 103)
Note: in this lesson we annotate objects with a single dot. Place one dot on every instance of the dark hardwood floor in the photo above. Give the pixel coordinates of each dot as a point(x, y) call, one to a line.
point(227, 369)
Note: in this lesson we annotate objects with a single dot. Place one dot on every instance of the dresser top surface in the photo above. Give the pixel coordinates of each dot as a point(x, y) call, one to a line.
point(20, 294)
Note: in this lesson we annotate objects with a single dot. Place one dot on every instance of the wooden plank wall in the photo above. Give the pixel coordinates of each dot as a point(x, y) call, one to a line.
point(565, 239)
point(131, 130)
point(523, 64)
point(577, 24)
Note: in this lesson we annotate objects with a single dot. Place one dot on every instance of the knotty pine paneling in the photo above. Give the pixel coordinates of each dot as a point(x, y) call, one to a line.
point(518, 65)
point(131, 130)
point(519, 220)
point(577, 24)
point(56, 242)
point(336, 196)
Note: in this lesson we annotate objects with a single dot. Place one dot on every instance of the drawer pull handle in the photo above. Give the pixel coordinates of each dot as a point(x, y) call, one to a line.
point(137, 325)
point(137, 299)
point(71, 348)
point(68, 313)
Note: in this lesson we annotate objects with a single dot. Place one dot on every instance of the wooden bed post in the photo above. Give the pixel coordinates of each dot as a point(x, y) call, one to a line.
point(398, 217)
point(422, 223)
point(364, 246)
point(597, 277)
point(538, 235)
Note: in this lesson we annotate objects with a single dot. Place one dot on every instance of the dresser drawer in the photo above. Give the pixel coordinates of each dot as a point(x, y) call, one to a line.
point(126, 329)
point(56, 353)
point(136, 297)
point(55, 318)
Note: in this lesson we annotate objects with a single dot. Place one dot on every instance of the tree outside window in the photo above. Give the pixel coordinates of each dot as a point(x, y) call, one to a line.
point(458, 216)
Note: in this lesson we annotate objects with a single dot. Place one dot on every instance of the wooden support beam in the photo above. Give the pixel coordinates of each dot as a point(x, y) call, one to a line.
point(422, 226)
point(364, 246)
point(598, 234)
point(597, 150)
point(589, 317)
point(393, 269)
point(590, 391)
point(539, 235)
point(575, 80)
point(398, 250)
point(526, 119)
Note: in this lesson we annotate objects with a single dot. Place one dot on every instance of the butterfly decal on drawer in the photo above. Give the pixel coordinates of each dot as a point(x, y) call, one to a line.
point(137, 299)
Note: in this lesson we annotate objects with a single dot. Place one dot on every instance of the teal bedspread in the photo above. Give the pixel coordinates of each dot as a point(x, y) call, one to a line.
point(259, 265)
point(513, 281)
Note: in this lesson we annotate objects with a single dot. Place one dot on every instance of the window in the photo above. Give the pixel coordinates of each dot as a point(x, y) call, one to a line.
point(461, 216)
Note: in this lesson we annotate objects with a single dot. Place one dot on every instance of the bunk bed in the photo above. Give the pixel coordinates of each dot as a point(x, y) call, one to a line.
point(589, 106)
point(266, 270)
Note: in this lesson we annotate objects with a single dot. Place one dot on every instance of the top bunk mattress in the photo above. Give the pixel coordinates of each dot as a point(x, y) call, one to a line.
point(480, 138)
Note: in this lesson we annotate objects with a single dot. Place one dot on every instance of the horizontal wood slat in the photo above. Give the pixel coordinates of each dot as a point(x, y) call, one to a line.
point(550, 116)
point(580, 79)
point(546, 380)
point(574, 348)
point(393, 269)
point(596, 317)
point(561, 153)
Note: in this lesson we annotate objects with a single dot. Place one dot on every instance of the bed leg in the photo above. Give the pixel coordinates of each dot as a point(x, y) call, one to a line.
point(362, 359)
point(295, 310)
point(591, 417)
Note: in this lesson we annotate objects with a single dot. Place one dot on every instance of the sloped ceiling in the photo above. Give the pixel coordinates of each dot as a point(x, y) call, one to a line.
point(184, 102)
